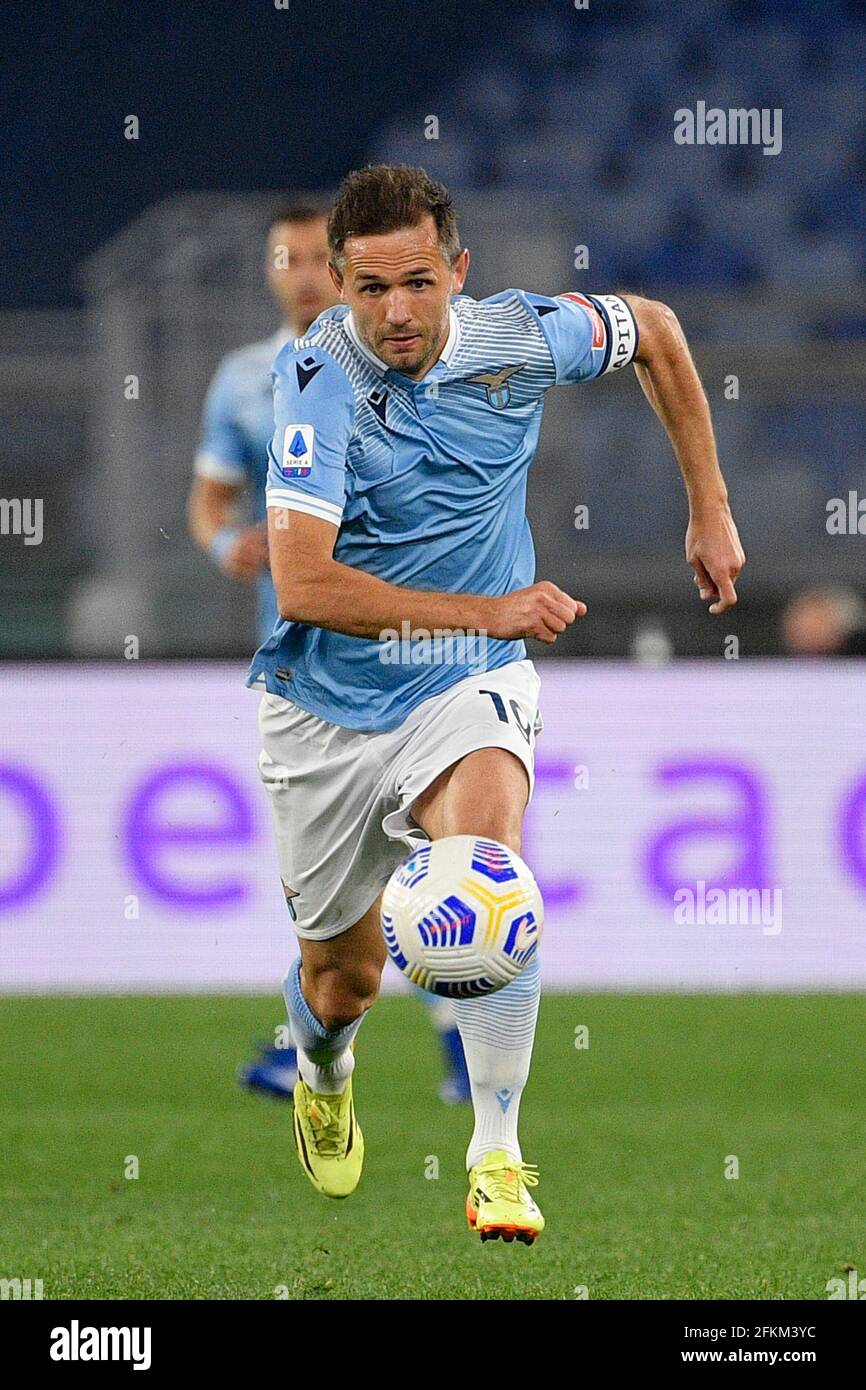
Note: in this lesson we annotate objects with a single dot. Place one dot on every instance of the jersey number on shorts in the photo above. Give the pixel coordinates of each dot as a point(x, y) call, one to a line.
point(502, 712)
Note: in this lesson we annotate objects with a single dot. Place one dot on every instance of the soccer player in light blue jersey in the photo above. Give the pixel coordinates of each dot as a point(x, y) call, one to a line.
point(238, 415)
point(232, 460)
point(406, 421)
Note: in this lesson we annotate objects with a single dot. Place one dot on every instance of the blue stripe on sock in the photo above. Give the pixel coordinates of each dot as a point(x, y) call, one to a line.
point(507, 1018)
point(309, 1033)
point(298, 1006)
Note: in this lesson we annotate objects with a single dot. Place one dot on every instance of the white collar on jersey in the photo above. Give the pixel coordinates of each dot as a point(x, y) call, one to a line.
point(382, 367)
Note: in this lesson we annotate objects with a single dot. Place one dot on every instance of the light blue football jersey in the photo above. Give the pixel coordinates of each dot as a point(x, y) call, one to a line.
point(425, 480)
point(236, 432)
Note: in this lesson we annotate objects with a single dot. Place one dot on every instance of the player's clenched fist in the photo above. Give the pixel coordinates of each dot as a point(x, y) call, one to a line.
point(541, 611)
point(247, 556)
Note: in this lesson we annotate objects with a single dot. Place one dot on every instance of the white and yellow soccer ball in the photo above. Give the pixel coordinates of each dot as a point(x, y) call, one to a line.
point(462, 916)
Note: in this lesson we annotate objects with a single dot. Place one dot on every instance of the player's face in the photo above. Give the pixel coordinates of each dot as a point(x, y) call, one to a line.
point(398, 286)
point(814, 626)
point(297, 265)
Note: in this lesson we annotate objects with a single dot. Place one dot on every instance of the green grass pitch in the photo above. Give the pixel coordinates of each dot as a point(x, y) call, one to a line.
point(631, 1136)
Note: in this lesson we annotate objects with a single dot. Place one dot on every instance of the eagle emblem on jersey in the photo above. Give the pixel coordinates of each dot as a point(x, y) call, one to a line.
point(496, 383)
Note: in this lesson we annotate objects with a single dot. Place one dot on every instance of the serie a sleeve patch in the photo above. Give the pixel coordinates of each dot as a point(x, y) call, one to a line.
point(297, 461)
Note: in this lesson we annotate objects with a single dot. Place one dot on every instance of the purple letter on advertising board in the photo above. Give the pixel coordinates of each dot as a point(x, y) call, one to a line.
point(42, 852)
point(744, 824)
point(553, 773)
point(851, 832)
point(148, 834)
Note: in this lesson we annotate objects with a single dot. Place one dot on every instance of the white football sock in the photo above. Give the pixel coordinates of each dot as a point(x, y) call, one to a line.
point(498, 1031)
point(329, 1078)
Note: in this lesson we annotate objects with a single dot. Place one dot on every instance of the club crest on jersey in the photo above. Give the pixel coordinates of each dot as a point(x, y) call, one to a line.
point(298, 451)
point(496, 384)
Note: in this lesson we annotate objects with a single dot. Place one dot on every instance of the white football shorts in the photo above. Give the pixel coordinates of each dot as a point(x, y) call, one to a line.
point(342, 799)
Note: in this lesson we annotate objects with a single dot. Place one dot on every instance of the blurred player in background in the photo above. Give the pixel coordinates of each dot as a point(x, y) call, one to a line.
point(238, 413)
point(825, 622)
point(230, 467)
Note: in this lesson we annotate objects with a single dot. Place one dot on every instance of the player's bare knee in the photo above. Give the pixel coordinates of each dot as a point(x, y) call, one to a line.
point(340, 995)
point(494, 825)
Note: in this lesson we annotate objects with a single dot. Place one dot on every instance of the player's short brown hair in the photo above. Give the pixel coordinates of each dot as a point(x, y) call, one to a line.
point(386, 197)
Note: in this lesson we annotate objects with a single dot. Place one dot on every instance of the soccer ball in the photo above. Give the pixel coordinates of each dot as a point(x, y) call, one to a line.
point(462, 916)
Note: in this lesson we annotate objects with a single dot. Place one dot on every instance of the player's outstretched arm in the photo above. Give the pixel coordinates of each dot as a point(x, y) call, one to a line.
point(672, 386)
point(312, 587)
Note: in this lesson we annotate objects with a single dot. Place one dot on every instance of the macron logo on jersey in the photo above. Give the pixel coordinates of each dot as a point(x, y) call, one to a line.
point(298, 451)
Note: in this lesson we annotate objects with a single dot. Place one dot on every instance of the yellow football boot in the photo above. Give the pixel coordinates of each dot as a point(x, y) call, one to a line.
point(328, 1139)
point(499, 1203)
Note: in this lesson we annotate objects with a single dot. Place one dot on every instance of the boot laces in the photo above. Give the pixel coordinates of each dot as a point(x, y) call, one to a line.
point(327, 1128)
point(502, 1182)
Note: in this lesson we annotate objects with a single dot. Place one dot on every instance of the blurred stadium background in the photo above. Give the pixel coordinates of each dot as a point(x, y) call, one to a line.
point(136, 851)
point(555, 132)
